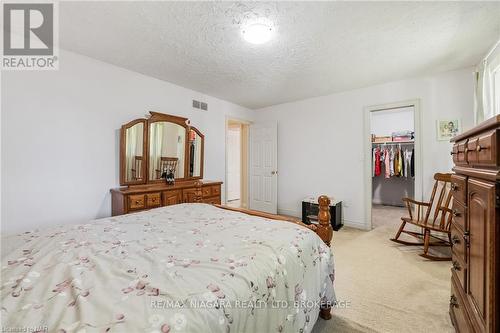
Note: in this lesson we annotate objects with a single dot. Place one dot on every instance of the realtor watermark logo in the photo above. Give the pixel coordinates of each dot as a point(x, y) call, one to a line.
point(30, 36)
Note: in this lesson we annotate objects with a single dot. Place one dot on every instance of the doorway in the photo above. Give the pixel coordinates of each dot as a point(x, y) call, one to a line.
point(237, 163)
point(393, 155)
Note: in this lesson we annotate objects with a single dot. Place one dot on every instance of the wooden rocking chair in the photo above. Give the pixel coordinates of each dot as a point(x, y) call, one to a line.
point(137, 169)
point(166, 164)
point(433, 216)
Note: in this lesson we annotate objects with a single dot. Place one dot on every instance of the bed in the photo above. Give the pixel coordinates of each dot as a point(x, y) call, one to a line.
point(180, 268)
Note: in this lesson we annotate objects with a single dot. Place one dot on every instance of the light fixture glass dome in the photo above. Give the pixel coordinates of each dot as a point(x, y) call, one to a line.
point(257, 33)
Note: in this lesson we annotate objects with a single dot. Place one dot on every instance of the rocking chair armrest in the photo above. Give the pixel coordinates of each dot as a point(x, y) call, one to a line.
point(415, 202)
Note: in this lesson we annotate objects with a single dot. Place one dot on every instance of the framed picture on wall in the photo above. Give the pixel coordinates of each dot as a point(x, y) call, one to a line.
point(448, 128)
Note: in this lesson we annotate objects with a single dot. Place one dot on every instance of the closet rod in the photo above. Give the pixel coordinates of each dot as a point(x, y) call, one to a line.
point(394, 143)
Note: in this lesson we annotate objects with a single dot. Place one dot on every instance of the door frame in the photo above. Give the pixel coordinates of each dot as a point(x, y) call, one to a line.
point(247, 137)
point(417, 119)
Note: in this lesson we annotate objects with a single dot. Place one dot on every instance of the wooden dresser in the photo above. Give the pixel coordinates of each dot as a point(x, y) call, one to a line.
point(133, 199)
point(475, 282)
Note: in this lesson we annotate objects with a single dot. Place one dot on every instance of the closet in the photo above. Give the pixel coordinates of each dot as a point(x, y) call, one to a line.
point(393, 156)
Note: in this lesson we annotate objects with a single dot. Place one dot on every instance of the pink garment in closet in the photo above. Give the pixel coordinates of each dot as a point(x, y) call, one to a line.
point(387, 162)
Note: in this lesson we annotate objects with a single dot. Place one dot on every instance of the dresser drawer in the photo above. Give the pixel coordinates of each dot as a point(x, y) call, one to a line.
point(459, 188)
point(458, 312)
point(206, 191)
point(153, 200)
point(215, 190)
point(172, 197)
point(458, 243)
point(459, 270)
point(212, 201)
point(136, 202)
point(482, 150)
point(191, 195)
point(459, 215)
point(458, 153)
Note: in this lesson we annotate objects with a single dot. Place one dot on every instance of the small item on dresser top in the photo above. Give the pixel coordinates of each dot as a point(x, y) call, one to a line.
point(310, 209)
point(170, 177)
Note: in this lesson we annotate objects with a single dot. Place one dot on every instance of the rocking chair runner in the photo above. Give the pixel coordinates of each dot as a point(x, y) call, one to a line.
point(432, 216)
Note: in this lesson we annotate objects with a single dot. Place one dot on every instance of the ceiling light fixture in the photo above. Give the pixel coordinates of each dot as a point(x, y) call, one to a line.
point(257, 33)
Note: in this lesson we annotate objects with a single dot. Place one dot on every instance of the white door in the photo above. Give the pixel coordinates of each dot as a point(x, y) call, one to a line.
point(264, 167)
point(233, 163)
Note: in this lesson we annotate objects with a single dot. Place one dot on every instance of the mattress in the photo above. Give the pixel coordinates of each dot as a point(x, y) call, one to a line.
point(182, 268)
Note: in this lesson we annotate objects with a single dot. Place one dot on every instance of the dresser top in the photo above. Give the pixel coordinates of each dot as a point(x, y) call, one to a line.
point(164, 187)
point(486, 125)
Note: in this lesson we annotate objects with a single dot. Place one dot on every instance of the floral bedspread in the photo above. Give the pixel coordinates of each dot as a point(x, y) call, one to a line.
point(182, 268)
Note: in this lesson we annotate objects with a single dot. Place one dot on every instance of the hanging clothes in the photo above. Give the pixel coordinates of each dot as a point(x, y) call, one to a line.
point(403, 169)
point(396, 163)
point(377, 166)
point(412, 163)
point(407, 163)
point(388, 163)
point(391, 162)
point(373, 161)
point(400, 163)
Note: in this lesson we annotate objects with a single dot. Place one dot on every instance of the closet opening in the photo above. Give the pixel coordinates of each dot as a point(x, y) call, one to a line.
point(237, 163)
point(394, 171)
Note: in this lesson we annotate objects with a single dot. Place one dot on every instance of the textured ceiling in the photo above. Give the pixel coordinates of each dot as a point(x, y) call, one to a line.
point(318, 48)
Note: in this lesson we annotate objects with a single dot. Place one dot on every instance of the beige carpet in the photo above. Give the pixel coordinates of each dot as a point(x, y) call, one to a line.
point(388, 287)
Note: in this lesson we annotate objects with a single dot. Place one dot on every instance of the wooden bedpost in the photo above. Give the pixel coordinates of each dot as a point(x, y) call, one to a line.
point(324, 228)
point(325, 232)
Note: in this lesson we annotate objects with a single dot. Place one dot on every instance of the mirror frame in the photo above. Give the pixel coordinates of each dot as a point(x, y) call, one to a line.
point(202, 152)
point(123, 152)
point(157, 117)
point(184, 122)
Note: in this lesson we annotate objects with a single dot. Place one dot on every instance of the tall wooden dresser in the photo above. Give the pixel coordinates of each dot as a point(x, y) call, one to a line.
point(475, 282)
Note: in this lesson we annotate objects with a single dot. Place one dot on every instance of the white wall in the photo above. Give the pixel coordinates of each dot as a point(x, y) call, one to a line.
point(328, 155)
point(385, 122)
point(60, 137)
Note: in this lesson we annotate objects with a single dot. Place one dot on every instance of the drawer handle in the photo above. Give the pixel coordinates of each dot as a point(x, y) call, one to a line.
point(453, 153)
point(466, 238)
point(137, 202)
point(479, 148)
point(456, 266)
point(453, 301)
point(456, 213)
point(455, 240)
point(454, 187)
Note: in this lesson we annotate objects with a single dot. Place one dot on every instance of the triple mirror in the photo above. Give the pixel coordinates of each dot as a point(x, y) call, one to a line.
point(163, 146)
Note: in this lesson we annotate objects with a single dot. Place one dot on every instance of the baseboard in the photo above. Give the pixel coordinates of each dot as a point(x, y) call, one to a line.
point(290, 212)
point(356, 225)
